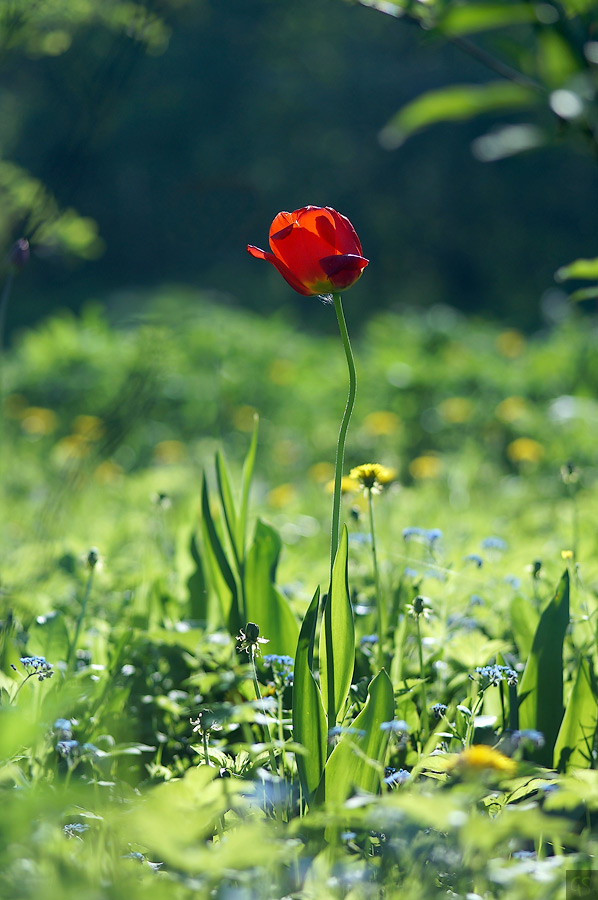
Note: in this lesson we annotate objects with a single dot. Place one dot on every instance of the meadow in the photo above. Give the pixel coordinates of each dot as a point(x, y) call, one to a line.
point(166, 505)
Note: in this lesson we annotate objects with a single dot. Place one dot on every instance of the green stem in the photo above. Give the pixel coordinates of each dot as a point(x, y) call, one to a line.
point(258, 696)
point(4, 306)
point(73, 645)
point(281, 734)
point(206, 749)
point(18, 690)
point(422, 675)
point(342, 435)
point(379, 604)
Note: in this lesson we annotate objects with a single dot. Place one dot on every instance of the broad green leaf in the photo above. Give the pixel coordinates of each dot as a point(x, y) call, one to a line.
point(222, 573)
point(454, 103)
point(199, 605)
point(245, 487)
point(228, 503)
point(524, 622)
point(337, 638)
point(575, 740)
point(357, 761)
point(474, 17)
point(584, 269)
point(48, 636)
point(264, 603)
point(309, 719)
point(541, 688)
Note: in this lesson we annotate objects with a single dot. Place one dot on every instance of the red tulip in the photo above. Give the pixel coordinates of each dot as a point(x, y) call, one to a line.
point(315, 249)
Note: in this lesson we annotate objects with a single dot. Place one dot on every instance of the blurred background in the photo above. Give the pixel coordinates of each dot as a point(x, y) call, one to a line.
point(159, 139)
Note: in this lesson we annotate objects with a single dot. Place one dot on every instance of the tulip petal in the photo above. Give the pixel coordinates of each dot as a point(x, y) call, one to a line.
point(284, 270)
point(343, 269)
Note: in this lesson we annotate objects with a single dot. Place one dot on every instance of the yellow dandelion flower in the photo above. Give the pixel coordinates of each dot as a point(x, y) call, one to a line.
point(348, 485)
point(511, 408)
point(525, 450)
point(381, 422)
point(510, 343)
point(482, 758)
point(169, 452)
point(281, 495)
point(456, 410)
point(38, 421)
point(567, 554)
point(426, 466)
point(321, 472)
point(89, 427)
point(372, 476)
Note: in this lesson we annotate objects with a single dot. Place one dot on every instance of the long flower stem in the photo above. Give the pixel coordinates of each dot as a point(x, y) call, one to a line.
point(258, 697)
point(379, 604)
point(4, 306)
point(73, 646)
point(342, 435)
point(422, 675)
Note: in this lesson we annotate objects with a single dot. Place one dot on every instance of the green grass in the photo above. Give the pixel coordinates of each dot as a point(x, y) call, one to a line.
point(107, 433)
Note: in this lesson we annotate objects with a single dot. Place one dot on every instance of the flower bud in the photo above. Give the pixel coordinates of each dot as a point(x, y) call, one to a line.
point(18, 256)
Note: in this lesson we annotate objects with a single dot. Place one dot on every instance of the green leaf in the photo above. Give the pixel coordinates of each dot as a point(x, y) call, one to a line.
point(245, 487)
point(357, 761)
point(524, 622)
point(451, 104)
point(590, 293)
point(222, 574)
point(199, 598)
point(584, 269)
point(541, 688)
point(228, 503)
point(575, 740)
point(265, 605)
point(475, 17)
point(337, 638)
point(309, 719)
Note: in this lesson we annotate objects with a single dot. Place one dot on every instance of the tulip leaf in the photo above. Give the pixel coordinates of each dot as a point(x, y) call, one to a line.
point(575, 741)
point(309, 719)
point(357, 761)
point(454, 103)
point(223, 577)
point(228, 503)
point(541, 688)
point(582, 269)
point(248, 466)
point(265, 605)
point(199, 600)
point(337, 637)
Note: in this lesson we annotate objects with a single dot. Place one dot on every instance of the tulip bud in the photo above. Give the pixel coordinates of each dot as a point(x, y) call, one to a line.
point(19, 254)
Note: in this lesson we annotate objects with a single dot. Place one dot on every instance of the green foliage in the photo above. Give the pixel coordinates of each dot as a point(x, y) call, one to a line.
point(541, 688)
point(545, 54)
point(180, 808)
point(337, 637)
